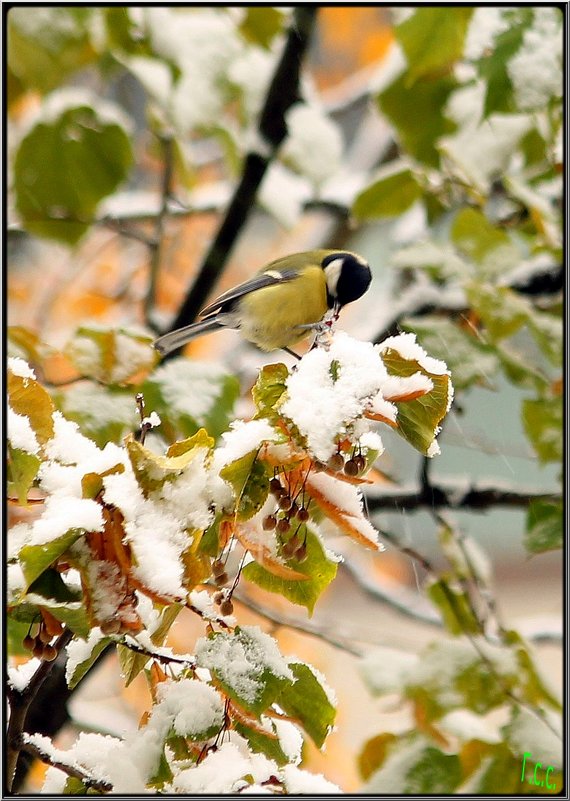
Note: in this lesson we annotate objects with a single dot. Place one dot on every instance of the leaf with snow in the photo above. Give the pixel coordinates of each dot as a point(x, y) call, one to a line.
point(544, 526)
point(29, 399)
point(112, 355)
point(413, 766)
point(316, 573)
point(249, 479)
point(489, 246)
point(308, 702)
point(132, 662)
point(247, 665)
point(455, 607)
point(77, 135)
point(38, 557)
point(83, 654)
point(432, 40)
point(419, 420)
point(269, 389)
point(153, 470)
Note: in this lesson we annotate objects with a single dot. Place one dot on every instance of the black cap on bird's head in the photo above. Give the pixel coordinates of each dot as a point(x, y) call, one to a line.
point(348, 277)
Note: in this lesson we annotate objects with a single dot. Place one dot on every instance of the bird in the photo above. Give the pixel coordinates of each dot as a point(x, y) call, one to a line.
point(283, 302)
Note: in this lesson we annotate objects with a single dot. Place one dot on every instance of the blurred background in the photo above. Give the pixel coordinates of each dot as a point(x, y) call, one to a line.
point(184, 88)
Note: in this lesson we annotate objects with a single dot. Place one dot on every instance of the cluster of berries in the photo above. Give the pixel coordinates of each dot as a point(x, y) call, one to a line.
point(40, 645)
point(221, 598)
point(287, 510)
point(352, 467)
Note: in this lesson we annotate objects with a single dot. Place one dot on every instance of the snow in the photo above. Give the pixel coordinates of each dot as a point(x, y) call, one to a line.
point(152, 421)
point(348, 499)
point(299, 782)
point(527, 732)
point(189, 387)
point(314, 144)
point(130, 356)
point(407, 347)
point(397, 386)
point(20, 367)
point(79, 651)
point(240, 661)
point(321, 407)
point(467, 725)
point(242, 438)
point(19, 677)
point(223, 771)
point(62, 514)
point(58, 102)
point(486, 24)
point(192, 706)
point(536, 68)
point(290, 739)
point(283, 194)
point(97, 406)
point(385, 669)
point(20, 433)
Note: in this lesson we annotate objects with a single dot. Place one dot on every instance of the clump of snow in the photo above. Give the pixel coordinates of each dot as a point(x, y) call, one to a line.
point(467, 725)
point(242, 438)
point(240, 659)
point(79, 651)
point(97, 407)
point(486, 24)
point(21, 435)
point(298, 781)
point(194, 707)
point(189, 387)
point(314, 143)
point(385, 669)
point(536, 68)
point(20, 367)
point(527, 732)
point(62, 514)
point(408, 348)
point(224, 771)
point(283, 194)
point(19, 677)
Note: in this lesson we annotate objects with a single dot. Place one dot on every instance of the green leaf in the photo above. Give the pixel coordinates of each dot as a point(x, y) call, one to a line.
point(74, 786)
point(432, 40)
point(488, 246)
point(22, 470)
point(103, 413)
point(37, 558)
point(51, 586)
point(73, 157)
point(247, 666)
point(418, 114)
point(502, 310)
point(261, 24)
point(110, 355)
point(28, 398)
point(533, 686)
point(249, 478)
point(317, 567)
point(542, 421)
point(83, 667)
point(544, 526)
point(470, 360)
point(419, 420)
point(47, 44)
point(520, 370)
point(414, 767)
point(269, 389)
point(389, 196)
point(262, 743)
point(456, 611)
point(493, 66)
point(308, 702)
point(373, 753)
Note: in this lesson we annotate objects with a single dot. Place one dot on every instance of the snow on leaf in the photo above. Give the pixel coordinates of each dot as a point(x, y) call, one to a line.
point(308, 702)
point(30, 400)
point(112, 356)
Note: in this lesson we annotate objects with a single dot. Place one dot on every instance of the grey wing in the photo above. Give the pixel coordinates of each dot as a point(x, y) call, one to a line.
point(260, 281)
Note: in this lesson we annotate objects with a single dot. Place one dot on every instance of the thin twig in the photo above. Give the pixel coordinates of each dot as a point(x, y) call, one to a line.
point(156, 244)
point(447, 495)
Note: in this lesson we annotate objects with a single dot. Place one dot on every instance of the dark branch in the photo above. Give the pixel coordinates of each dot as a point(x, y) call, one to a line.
point(89, 781)
point(282, 93)
point(440, 495)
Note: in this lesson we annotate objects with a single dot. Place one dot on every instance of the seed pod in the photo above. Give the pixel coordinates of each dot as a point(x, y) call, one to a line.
point(219, 597)
point(294, 510)
point(336, 462)
point(289, 549)
point(301, 552)
point(226, 607)
point(285, 503)
point(38, 649)
point(351, 468)
point(50, 653)
point(275, 487)
point(303, 514)
point(218, 568)
point(283, 525)
point(360, 462)
point(221, 579)
point(29, 642)
point(318, 466)
point(269, 523)
point(44, 635)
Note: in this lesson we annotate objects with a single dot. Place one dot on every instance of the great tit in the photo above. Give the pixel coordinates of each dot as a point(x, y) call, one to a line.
point(280, 305)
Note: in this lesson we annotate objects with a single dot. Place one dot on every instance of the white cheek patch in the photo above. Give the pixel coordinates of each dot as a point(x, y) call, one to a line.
point(332, 273)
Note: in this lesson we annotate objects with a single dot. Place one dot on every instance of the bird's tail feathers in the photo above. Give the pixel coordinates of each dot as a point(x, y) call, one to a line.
point(176, 339)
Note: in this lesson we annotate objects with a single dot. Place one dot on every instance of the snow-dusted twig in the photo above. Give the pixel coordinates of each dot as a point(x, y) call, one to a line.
point(282, 93)
point(91, 782)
